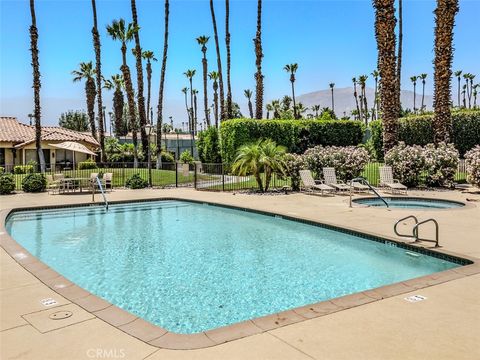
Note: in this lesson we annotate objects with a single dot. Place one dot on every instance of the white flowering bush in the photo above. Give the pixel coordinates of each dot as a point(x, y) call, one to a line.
point(293, 164)
point(348, 161)
point(441, 163)
point(472, 162)
point(407, 163)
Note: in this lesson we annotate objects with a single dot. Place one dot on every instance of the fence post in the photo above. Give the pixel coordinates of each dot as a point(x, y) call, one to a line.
point(195, 175)
point(223, 178)
point(176, 174)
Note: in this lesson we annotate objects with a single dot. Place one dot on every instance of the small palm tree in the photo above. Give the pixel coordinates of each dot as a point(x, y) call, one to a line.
point(185, 91)
point(202, 41)
point(316, 109)
point(272, 158)
point(214, 76)
point(423, 77)
point(116, 83)
point(189, 74)
point(332, 85)
point(292, 69)
point(362, 80)
point(300, 110)
point(87, 72)
point(248, 94)
point(269, 108)
point(458, 75)
point(355, 95)
point(276, 108)
point(149, 56)
point(414, 79)
point(475, 92)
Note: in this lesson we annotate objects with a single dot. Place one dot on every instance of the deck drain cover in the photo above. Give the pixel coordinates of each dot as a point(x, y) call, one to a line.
point(59, 315)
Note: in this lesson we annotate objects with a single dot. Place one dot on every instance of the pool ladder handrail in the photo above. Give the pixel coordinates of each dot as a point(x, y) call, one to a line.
point(99, 183)
point(415, 229)
point(365, 181)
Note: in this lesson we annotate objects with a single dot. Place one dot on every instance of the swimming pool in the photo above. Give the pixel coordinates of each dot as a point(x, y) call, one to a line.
point(410, 203)
point(190, 267)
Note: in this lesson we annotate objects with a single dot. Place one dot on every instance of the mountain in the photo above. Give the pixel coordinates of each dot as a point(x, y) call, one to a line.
point(345, 102)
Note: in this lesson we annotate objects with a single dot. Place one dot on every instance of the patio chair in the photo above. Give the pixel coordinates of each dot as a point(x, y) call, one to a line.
point(387, 180)
point(310, 184)
point(359, 187)
point(52, 185)
point(107, 178)
point(331, 179)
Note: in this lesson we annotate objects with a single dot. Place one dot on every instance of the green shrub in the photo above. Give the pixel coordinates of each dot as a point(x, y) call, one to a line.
point(186, 157)
point(407, 163)
point(441, 164)
point(417, 130)
point(296, 135)
point(23, 169)
point(208, 145)
point(87, 164)
point(472, 160)
point(34, 183)
point(7, 184)
point(293, 164)
point(136, 182)
point(167, 157)
point(2, 169)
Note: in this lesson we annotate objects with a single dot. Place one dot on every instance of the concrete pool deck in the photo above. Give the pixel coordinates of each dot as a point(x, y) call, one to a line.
point(445, 325)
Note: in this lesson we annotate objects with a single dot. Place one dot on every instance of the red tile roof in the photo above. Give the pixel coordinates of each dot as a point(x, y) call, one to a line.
point(11, 130)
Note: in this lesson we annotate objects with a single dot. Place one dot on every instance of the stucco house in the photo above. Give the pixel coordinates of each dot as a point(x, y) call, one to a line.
point(17, 144)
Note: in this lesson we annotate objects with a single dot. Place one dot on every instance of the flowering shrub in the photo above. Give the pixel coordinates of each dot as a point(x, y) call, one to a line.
point(348, 161)
point(293, 164)
point(407, 163)
point(472, 160)
point(441, 163)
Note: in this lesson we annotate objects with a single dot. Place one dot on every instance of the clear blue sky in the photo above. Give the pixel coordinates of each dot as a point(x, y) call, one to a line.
point(332, 41)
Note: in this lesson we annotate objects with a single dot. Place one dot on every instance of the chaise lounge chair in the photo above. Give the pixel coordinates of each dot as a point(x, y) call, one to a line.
point(310, 184)
point(331, 179)
point(387, 180)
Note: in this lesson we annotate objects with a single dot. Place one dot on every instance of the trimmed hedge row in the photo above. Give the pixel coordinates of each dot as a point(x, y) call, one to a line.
point(296, 135)
point(417, 130)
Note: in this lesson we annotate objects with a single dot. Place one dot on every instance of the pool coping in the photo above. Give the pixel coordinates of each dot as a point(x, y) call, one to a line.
point(162, 338)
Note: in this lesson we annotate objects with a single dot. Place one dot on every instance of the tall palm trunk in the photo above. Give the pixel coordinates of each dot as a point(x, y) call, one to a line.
point(414, 97)
point(162, 84)
point(188, 113)
point(205, 91)
point(215, 103)
point(132, 121)
point(227, 44)
point(459, 92)
point(192, 114)
point(365, 106)
point(258, 63)
point(91, 92)
point(355, 95)
point(118, 105)
point(250, 108)
point(399, 56)
point(333, 101)
point(195, 125)
point(219, 63)
point(148, 68)
point(292, 80)
point(98, 65)
point(385, 36)
point(374, 108)
point(423, 95)
point(140, 98)
point(444, 23)
point(36, 86)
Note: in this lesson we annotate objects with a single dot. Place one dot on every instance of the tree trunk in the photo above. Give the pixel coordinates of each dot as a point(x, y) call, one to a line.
point(258, 178)
point(227, 44)
point(258, 63)
point(355, 95)
point(91, 92)
point(294, 103)
point(423, 95)
point(250, 108)
point(98, 65)
point(205, 91)
point(162, 83)
point(444, 23)
point(219, 63)
point(118, 109)
point(215, 105)
point(333, 102)
point(140, 98)
point(132, 121)
point(385, 36)
point(268, 177)
point(414, 97)
point(149, 90)
point(365, 105)
point(399, 56)
point(459, 85)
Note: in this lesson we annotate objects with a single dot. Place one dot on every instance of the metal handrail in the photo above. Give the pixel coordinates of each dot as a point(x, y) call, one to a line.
point(362, 179)
point(103, 193)
point(403, 219)
point(415, 231)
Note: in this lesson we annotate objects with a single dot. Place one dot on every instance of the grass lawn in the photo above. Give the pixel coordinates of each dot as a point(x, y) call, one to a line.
point(249, 182)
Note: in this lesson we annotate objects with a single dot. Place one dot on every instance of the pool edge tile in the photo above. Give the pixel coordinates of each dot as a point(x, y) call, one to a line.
point(175, 341)
point(233, 332)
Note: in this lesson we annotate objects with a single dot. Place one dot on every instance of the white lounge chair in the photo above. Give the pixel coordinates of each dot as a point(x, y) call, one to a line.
point(309, 183)
point(387, 180)
point(358, 186)
point(52, 185)
point(107, 178)
point(331, 179)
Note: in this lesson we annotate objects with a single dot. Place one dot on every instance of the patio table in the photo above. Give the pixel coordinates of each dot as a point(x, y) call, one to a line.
point(68, 184)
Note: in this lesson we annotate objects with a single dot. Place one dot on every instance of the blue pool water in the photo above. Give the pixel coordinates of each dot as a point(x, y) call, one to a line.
point(191, 267)
point(410, 203)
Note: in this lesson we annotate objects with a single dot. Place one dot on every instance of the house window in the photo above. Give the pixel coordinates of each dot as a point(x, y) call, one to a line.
point(2, 157)
point(31, 155)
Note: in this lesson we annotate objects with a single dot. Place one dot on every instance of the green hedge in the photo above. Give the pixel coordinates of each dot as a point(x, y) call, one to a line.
point(417, 130)
point(208, 145)
point(296, 135)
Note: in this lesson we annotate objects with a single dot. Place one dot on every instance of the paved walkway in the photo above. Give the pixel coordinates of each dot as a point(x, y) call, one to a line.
point(445, 326)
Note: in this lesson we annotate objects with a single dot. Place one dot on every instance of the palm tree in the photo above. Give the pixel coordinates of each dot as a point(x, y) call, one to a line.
point(227, 44)
point(269, 108)
point(276, 109)
point(138, 57)
point(316, 109)
point(458, 75)
point(161, 88)
point(464, 90)
point(362, 80)
point(185, 91)
point(87, 72)
point(202, 40)
point(355, 95)
point(98, 67)
point(475, 92)
point(195, 122)
point(300, 110)
point(375, 75)
point(469, 82)
point(444, 23)
point(399, 55)
point(292, 69)
point(116, 82)
point(286, 102)
point(258, 62)
point(189, 75)
point(213, 75)
point(272, 158)
point(219, 63)
point(423, 77)
point(36, 86)
point(332, 85)
point(385, 36)
point(413, 79)
point(118, 31)
point(248, 94)
point(149, 56)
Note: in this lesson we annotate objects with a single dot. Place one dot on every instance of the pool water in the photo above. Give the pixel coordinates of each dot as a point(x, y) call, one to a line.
point(410, 203)
point(190, 267)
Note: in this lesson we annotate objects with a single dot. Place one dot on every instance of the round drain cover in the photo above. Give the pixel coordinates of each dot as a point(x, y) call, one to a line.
point(59, 315)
